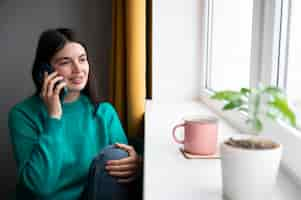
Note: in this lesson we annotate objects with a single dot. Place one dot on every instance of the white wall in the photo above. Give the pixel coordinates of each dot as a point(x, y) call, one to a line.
point(176, 49)
point(20, 25)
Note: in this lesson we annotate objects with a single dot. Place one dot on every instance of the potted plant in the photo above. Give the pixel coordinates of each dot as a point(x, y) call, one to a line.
point(250, 163)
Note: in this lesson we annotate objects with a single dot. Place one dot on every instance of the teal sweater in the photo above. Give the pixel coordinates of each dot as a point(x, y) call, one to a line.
point(53, 156)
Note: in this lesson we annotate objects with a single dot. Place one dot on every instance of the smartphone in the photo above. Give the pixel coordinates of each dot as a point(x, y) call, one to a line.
point(48, 68)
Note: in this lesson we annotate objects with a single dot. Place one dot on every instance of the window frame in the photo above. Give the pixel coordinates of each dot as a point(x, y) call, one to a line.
point(269, 40)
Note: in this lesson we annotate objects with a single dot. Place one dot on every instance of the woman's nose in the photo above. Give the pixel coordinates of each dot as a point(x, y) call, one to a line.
point(76, 67)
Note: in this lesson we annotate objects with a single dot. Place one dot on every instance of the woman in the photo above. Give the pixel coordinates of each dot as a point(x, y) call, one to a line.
point(56, 138)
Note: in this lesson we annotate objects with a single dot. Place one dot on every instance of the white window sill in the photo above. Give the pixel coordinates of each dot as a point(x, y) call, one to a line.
point(168, 175)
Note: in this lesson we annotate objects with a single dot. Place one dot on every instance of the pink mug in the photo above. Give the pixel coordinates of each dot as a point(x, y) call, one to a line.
point(200, 135)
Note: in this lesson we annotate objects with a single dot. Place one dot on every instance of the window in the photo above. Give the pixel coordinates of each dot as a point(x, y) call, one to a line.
point(230, 44)
point(274, 53)
point(293, 79)
point(244, 44)
point(251, 42)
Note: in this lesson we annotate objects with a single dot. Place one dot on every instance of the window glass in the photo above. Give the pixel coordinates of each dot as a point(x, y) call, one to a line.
point(230, 49)
point(294, 56)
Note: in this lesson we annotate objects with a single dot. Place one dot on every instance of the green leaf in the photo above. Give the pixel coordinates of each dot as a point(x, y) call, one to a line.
point(250, 100)
point(274, 91)
point(227, 95)
point(245, 91)
point(232, 105)
point(280, 104)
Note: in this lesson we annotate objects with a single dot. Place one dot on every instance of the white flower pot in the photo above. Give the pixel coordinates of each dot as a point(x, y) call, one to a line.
point(249, 174)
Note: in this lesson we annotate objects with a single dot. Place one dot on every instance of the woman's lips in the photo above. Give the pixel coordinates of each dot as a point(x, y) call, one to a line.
point(76, 80)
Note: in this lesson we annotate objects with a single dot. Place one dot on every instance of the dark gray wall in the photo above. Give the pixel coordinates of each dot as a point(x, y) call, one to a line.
point(21, 22)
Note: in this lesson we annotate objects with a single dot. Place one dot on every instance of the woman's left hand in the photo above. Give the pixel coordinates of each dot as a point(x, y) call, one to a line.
point(126, 169)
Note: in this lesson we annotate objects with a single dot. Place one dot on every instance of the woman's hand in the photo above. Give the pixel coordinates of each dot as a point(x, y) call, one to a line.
point(126, 169)
point(50, 95)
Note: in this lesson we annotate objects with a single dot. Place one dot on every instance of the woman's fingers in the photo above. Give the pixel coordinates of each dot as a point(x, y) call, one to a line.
point(47, 77)
point(50, 89)
point(132, 155)
point(123, 161)
point(124, 174)
point(125, 167)
point(127, 148)
point(59, 87)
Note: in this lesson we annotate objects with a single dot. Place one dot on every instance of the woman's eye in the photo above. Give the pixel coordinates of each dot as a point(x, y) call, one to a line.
point(82, 59)
point(64, 63)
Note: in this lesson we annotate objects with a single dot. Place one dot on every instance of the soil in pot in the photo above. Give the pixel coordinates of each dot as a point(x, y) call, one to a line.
point(252, 143)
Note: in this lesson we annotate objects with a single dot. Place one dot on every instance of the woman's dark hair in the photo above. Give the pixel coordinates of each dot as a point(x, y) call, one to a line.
point(50, 42)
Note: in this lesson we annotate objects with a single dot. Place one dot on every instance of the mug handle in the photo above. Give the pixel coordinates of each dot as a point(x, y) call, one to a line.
point(174, 134)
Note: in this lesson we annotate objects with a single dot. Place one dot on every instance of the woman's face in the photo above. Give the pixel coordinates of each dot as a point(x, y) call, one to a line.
point(71, 62)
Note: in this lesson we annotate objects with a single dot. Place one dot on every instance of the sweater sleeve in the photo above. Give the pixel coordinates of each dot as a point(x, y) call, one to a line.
point(38, 155)
point(115, 130)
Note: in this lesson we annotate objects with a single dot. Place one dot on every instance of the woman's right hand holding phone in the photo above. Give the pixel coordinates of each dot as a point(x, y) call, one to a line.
point(50, 93)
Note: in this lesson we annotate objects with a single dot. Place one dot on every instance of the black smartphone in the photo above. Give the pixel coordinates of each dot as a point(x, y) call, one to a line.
point(48, 68)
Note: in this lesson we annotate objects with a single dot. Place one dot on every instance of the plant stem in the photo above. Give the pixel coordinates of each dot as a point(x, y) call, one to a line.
point(256, 111)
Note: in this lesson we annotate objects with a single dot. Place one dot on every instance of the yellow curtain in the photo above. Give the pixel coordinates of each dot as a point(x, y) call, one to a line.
point(127, 70)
